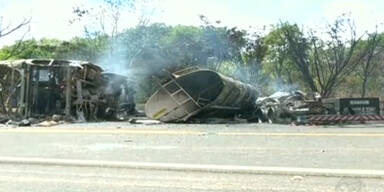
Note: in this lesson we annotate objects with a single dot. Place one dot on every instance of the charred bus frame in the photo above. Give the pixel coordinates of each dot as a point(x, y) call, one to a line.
point(36, 87)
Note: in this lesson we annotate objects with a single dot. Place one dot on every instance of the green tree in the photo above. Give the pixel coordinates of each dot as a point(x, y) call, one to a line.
point(278, 62)
point(325, 61)
point(369, 58)
point(75, 49)
point(299, 50)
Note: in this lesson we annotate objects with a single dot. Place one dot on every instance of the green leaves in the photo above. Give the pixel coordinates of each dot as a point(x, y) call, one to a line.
point(285, 57)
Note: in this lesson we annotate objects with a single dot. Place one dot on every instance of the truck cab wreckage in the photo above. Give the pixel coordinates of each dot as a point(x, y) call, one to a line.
point(76, 89)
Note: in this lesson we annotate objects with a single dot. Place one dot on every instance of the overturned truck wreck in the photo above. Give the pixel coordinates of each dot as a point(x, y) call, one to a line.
point(295, 107)
point(39, 88)
point(195, 92)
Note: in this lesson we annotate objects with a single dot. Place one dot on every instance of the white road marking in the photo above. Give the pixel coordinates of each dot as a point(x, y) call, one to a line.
point(95, 131)
point(301, 134)
point(189, 132)
point(361, 173)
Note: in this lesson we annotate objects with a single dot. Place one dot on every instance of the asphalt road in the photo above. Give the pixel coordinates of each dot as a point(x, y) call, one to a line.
point(80, 179)
point(356, 148)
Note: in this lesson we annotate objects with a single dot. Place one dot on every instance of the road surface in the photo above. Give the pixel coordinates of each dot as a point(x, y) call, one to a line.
point(330, 151)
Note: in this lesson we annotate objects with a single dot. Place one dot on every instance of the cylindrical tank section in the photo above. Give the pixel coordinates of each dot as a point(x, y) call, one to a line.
point(199, 92)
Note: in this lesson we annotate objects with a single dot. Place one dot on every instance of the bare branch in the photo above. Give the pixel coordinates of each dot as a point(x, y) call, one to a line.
point(8, 30)
point(16, 48)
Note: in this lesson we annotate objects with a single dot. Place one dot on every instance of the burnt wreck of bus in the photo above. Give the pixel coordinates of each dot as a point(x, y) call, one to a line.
point(76, 90)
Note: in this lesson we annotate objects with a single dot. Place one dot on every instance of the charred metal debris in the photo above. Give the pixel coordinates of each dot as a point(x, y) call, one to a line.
point(62, 90)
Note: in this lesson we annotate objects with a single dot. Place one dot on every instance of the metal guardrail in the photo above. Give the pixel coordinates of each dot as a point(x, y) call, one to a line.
point(341, 119)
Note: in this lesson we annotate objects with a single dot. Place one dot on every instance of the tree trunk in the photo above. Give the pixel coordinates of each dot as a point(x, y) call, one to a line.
point(308, 77)
point(364, 87)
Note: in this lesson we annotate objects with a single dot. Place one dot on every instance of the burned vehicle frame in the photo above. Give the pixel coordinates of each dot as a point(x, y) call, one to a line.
point(43, 87)
point(118, 94)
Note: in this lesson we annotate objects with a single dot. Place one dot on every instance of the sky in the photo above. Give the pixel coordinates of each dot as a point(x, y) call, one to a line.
point(50, 18)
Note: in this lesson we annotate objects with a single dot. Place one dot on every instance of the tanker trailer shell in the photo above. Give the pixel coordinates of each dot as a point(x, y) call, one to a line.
point(199, 92)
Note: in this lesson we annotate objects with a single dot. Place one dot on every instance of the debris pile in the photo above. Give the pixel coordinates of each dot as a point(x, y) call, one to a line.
point(286, 107)
point(49, 92)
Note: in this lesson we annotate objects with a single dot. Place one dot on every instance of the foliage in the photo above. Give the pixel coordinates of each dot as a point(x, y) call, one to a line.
point(76, 49)
point(334, 63)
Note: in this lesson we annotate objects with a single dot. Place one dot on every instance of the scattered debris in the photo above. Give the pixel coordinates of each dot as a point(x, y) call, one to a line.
point(11, 122)
point(57, 118)
point(3, 119)
point(24, 123)
point(33, 120)
point(144, 121)
point(297, 178)
point(214, 120)
point(47, 124)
